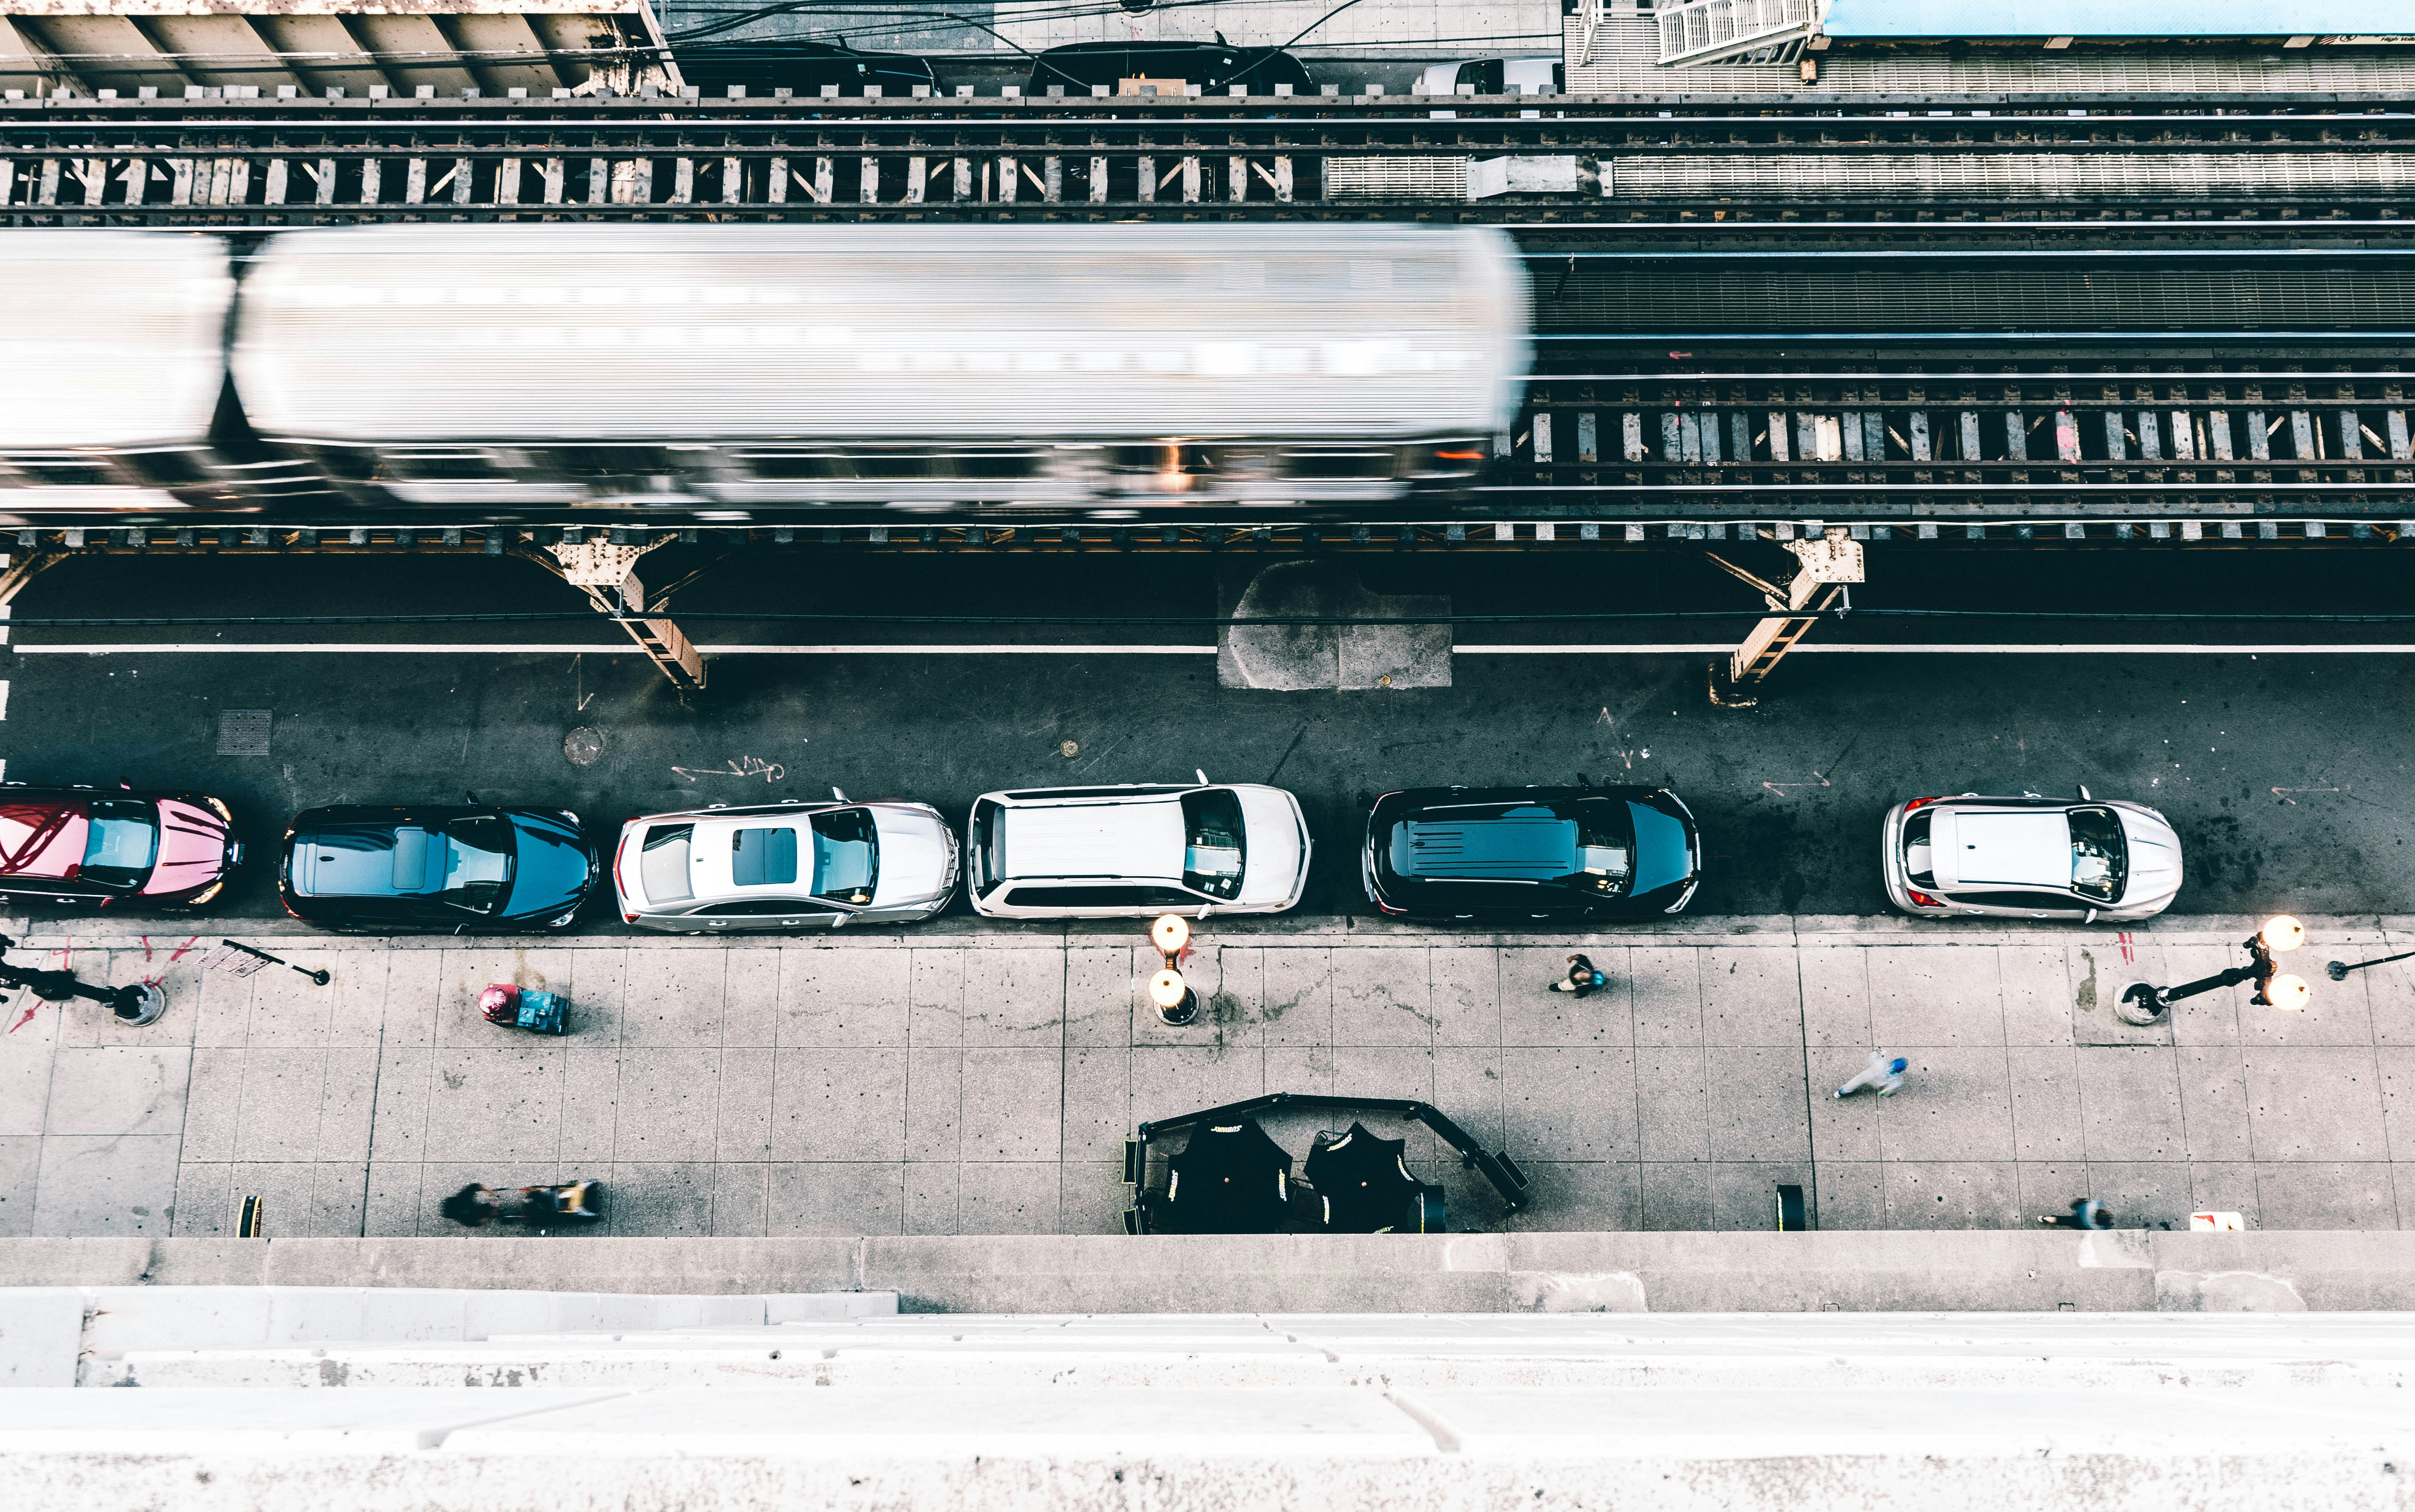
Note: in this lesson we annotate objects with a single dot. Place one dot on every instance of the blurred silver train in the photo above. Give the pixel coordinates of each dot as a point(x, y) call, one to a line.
point(734, 372)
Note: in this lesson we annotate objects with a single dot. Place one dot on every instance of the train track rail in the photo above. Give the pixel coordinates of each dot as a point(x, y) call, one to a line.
point(288, 162)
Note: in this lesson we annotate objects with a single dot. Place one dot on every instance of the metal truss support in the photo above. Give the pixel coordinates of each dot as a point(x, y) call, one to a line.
point(21, 568)
point(1828, 564)
point(607, 573)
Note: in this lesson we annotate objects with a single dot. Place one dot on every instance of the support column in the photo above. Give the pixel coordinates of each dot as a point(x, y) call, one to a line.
point(608, 575)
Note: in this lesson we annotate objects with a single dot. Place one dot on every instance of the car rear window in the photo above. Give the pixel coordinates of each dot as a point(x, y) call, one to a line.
point(662, 865)
point(763, 857)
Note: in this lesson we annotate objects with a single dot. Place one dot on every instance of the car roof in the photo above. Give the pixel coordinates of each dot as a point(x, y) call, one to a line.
point(1109, 837)
point(40, 837)
point(1530, 847)
point(2010, 847)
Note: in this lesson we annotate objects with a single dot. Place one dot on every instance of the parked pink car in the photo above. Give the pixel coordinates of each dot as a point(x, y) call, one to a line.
point(103, 847)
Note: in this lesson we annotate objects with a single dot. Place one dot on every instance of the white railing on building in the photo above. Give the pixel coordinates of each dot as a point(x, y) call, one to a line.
point(1735, 31)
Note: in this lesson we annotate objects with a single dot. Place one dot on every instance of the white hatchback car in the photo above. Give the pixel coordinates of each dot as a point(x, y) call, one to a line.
point(2030, 857)
point(790, 865)
point(1137, 850)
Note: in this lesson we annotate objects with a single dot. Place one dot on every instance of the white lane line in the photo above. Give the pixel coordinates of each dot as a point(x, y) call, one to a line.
point(1882, 649)
point(1702, 647)
point(623, 648)
point(4, 697)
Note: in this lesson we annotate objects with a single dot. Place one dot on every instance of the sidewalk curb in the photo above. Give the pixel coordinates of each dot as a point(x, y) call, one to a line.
point(1743, 931)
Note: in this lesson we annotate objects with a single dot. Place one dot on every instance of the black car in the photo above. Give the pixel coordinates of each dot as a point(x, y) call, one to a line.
point(1531, 853)
point(437, 868)
point(1212, 66)
point(802, 67)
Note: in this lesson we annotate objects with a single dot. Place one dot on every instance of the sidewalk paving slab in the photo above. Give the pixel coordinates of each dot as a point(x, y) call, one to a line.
point(973, 1080)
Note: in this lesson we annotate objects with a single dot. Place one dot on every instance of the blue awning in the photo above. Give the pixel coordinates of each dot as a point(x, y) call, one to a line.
point(2177, 19)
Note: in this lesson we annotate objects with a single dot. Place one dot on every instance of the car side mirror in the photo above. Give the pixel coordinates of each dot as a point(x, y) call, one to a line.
point(2092, 913)
point(2083, 792)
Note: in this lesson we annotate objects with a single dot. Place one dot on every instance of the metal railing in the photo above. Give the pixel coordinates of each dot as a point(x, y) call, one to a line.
point(1731, 31)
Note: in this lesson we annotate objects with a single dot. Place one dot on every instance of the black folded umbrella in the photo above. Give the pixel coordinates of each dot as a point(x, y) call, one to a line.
point(1363, 1183)
point(1231, 1179)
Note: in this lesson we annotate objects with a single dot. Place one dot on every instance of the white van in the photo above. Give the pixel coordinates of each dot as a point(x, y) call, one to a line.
point(1137, 850)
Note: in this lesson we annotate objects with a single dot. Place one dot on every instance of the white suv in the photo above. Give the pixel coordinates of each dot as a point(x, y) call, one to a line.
point(1136, 851)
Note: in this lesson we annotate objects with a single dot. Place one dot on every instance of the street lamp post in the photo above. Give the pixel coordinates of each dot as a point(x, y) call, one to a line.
point(2338, 970)
point(1176, 1003)
point(2143, 1003)
point(135, 1004)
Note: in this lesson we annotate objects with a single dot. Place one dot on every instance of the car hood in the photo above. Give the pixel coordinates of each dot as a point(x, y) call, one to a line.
point(1662, 856)
point(2154, 857)
point(913, 855)
point(192, 848)
point(1271, 845)
point(553, 866)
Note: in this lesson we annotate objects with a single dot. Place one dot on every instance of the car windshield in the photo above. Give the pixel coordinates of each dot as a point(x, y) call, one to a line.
point(477, 861)
point(1211, 854)
point(846, 856)
point(122, 844)
point(661, 863)
point(2099, 861)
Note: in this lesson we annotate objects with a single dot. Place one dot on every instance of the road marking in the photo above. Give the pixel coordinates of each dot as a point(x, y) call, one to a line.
point(441, 649)
point(1779, 788)
point(771, 772)
point(1879, 649)
point(2283, 793)
point(4, 697)
point(1706, 647)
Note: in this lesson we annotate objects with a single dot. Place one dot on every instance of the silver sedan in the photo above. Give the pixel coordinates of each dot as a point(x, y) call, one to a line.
point(784, 866)
point(2029, 857)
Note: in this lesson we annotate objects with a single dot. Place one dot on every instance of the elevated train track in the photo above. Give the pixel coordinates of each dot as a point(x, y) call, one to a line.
point(1640, 162)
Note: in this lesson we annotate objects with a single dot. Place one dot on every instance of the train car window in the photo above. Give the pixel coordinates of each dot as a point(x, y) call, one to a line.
point(62, 471)
point(438, 467)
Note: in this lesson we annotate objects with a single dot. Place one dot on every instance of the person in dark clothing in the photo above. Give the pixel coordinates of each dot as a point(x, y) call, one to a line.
point(2085, 1213)
point(474, 1206)
point(1583, 978)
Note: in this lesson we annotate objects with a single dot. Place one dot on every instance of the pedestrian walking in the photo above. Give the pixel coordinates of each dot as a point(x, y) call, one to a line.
point(1583, 978)
point(1884, 1073)
point(2085, 1213)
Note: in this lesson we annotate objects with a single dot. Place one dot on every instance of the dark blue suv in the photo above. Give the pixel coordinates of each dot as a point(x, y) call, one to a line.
point(1531, 853)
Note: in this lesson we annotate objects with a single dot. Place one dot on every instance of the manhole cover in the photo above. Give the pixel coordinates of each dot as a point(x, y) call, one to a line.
point(1069, 748)
point(584, 745)
point(242, 731)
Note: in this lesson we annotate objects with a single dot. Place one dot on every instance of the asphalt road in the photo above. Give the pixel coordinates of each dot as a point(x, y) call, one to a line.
point(2286, 774)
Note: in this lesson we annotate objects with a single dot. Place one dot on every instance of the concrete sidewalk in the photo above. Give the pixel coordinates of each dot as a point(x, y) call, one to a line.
point(983, 1083)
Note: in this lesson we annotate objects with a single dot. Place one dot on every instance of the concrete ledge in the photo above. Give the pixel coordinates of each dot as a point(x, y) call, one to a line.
point(1544, 1449)
point(1869, 1271)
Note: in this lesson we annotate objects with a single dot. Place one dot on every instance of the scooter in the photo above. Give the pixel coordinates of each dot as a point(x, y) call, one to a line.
point(573, 1205)
point(514, 1008)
